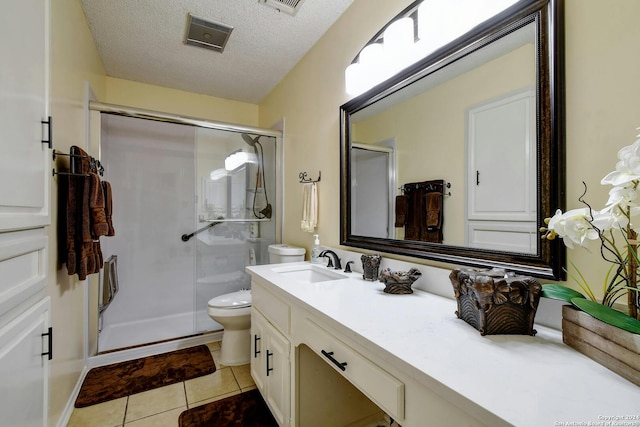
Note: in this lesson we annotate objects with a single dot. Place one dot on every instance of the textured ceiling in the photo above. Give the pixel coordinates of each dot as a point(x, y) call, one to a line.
point(143, 41)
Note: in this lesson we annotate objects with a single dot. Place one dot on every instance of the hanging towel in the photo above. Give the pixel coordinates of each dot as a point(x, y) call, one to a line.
point(79, 257)
point(108, 207)
point(309, 207)
point(85, 217)
point(402, 204)
point(98, 217)
point(434, 211)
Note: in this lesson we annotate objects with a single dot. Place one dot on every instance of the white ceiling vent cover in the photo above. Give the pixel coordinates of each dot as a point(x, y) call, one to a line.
point(290, 7)
point(207, 34)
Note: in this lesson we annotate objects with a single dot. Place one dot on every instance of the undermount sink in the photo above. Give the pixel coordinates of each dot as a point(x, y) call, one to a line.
point(308, 273)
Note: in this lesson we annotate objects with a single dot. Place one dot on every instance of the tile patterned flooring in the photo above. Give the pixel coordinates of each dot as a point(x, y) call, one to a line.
point(162, 406)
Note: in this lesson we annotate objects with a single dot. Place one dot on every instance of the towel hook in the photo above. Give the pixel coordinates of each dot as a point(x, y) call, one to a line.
point(305, 179)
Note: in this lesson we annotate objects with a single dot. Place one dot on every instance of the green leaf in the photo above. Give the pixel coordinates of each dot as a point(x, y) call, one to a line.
point(608, 315)
point(560, 292)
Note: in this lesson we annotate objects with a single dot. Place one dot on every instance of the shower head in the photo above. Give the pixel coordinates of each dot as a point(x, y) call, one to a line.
point(251, 141)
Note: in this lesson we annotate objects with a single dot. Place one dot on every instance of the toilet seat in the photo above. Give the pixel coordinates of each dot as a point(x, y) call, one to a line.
point(233, 300)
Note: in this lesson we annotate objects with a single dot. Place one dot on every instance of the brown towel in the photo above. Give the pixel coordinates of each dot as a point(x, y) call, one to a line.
point(433, 211)
point(414, 213)
point(83, 251)
point(108, 207)
point(98, 217)
point(402, 205)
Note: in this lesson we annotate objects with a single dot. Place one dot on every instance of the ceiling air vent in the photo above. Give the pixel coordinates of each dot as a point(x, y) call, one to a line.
point(207, 34)
point(290, 7)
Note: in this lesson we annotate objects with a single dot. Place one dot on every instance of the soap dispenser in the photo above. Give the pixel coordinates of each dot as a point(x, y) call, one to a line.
point(315, 250)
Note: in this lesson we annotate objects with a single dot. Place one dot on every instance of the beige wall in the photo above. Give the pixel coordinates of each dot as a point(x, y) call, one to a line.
point(74, 60)
point(602, 91)
point(309, 98)
point(150, 97)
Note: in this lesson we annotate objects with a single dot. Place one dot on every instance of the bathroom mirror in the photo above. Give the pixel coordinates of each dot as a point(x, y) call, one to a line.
point(440, 119)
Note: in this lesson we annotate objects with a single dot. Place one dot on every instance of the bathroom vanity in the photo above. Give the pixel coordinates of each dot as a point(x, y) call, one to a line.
point(329, 348)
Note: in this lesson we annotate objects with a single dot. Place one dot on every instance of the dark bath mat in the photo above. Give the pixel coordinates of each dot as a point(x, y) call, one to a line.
point(110, 382)
point(242, 410)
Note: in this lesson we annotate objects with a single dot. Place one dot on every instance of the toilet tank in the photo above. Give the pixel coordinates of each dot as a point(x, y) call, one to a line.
point(280, 253)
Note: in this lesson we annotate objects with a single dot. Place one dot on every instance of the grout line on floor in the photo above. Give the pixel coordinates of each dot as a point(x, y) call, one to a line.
point(235, 378)
point(126, 408)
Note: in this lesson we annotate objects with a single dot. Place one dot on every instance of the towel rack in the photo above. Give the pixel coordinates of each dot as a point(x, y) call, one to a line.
point(427, 186)
point(94, 164)
point(305, 179)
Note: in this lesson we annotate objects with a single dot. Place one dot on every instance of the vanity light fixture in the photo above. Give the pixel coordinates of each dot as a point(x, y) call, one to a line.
point(429, 25)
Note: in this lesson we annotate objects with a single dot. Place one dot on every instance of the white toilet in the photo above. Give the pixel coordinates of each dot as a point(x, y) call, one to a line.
point(233, 312)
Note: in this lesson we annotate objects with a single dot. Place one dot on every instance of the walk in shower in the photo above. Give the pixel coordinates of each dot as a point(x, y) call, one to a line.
point(192, 206)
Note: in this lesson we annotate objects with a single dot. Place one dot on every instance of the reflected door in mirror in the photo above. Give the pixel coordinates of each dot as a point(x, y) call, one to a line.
point(501, 207)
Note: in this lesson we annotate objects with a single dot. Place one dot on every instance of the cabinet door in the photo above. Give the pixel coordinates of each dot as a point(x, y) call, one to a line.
point(270, 367)
point(258, 367)
point(25, 160)
point(278, 375)
point(503, 128)
point(23, 368)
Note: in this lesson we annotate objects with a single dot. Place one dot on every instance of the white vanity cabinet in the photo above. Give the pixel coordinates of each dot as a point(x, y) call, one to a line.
point(270, 353)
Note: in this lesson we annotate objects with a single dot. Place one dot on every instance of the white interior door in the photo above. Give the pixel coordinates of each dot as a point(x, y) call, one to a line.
point(501, 200)
point(502, 129)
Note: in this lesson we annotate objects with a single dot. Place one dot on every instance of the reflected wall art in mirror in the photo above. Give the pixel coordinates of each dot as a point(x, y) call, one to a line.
point(459, 157)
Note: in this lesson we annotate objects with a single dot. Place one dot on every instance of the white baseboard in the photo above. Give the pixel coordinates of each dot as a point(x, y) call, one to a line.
point(68, 409)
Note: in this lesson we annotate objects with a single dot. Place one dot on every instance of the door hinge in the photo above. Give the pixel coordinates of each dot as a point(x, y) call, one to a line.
point(49, 334)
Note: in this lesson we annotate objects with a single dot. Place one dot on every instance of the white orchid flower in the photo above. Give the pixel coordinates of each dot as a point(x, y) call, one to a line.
point(573, 226)
point(607, 219)
point(622, 196)
point(627, 168)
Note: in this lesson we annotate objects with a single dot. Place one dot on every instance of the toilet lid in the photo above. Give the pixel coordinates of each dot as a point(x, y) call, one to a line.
point(237, 299)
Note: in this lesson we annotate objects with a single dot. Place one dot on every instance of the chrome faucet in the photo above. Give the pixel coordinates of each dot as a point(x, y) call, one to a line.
point(331, 262)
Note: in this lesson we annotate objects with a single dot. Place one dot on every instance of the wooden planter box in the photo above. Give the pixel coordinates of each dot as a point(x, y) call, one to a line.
point(613, 348)
point(496, 302)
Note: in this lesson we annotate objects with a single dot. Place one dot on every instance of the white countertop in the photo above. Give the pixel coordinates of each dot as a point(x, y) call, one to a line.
point(523, 380)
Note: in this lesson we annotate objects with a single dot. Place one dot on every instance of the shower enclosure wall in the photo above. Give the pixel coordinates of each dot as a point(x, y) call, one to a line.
point(186, 225)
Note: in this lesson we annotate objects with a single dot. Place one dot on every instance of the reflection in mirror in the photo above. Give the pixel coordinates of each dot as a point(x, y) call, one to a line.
point(373, 186)
point(478, 118)
point(449, 126)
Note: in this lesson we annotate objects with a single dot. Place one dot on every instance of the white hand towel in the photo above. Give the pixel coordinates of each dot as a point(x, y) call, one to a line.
point(309, 207)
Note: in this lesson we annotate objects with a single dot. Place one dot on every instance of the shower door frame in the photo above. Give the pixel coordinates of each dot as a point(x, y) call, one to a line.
point(94, 360)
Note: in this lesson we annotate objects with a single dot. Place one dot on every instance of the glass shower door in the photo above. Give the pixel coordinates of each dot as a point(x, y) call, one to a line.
point(235, 181)
point(151, 170)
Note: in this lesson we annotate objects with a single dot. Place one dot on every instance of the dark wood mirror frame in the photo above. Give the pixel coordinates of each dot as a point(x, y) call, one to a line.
point(547, 16)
